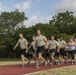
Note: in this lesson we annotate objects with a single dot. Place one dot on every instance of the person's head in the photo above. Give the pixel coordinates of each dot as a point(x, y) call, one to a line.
point(33, 38)
point(61, 38)
point(71, 40)
point(21, 35)
point(52, 37)
point(38, 32)
point(58, 39)
point(74, 39)
point(48, 40)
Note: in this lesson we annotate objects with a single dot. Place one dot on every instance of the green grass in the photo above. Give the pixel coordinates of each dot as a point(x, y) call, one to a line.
point(10, 59)
point(59, 71)
point(13, 59)
point(3, 63)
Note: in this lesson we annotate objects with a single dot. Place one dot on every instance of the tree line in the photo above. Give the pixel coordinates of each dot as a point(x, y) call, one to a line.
point(12, 23)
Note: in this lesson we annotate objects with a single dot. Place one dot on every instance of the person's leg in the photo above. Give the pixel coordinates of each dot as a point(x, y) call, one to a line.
point(72, 55)
point(75, 57)
point(47, 56)
point(22, 57)
point(23, 60)
point(59, 60)
point(38, 60)
point(65, 57)
point(52, 58)
point(35, 57)
point(44, 55)
point(40, 56)
point(68, 56)
point(43, 59)
point(62, 54)
point(26, 59)
point(59, 57)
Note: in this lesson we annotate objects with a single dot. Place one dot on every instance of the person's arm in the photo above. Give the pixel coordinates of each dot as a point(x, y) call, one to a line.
point(67, 47)
point(49, 47)
point(36, 43)
point(16, 45)
point(45, 39)
point(26, 45)
point(58, 46)
point(75, 44)
point(64, 44)
point(29, 47)
point(26, 48)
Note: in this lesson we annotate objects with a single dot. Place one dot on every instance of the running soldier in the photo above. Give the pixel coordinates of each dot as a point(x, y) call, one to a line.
point(40, 42)
point(23, 49)
point(53, 45)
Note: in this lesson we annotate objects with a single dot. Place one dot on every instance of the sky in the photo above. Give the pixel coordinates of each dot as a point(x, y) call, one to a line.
point(38, 11)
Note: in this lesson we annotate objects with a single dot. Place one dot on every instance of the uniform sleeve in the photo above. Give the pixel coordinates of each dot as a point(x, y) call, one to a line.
point(31, 44)
point(26, 42)
point(57, 43)
point(45, 39)
point(18, 42)
point(36, 39)
point(64, 42)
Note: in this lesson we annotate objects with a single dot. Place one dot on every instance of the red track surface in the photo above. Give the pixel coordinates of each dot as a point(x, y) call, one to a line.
point(16, 70)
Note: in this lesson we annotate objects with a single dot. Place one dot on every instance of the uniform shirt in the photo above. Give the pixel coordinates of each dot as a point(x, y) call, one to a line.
point(62, 43)
point(40, 40)
point(67, 48)
point(71, 46)
point(23, 42)
point(53, 44)
point(46, 45)
point(33, 44)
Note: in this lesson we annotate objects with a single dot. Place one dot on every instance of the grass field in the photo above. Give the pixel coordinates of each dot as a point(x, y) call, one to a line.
point(59, 71)
point(14, 61)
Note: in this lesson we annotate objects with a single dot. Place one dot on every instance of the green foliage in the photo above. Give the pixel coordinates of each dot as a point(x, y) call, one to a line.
point(64, 22)
point(11, 24)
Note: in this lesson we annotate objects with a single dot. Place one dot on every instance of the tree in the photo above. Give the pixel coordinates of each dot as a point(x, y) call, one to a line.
point(63, 21)
point(10, 22)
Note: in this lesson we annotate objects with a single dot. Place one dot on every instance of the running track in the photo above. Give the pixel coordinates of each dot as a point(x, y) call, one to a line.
point(15, 70)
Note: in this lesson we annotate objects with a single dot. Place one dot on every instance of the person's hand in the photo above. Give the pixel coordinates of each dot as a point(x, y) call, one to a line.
point(48, 50)
point(58, 50)
point(14, 48)
point(26, 51)
point(46, 47)
point(35, 50)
